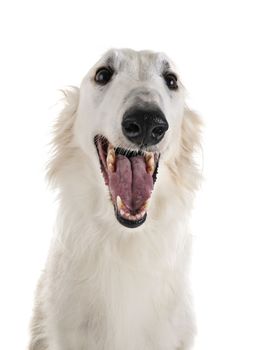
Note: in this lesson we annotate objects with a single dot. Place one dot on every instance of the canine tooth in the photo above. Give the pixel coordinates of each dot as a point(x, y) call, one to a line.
point(151, 169)
point(111, 158)
point(111, 167)
point(111, 148)
point(119, 202)
point(150, 162)
point(148, 155)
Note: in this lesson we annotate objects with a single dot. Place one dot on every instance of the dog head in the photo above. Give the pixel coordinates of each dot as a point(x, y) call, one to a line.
point(129, 122)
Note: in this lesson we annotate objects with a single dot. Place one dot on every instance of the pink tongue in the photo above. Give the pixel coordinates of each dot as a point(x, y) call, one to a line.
point(130, 181)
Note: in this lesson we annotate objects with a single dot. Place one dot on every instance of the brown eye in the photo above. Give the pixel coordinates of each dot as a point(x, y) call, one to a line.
point(171, 81)
point(103, 75)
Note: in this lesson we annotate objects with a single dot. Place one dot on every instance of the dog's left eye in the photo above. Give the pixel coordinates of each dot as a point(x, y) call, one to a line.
point(171, 81)
point(103, 75)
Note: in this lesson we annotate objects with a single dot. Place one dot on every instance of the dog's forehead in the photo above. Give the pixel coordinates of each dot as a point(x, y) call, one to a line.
point(136, 62)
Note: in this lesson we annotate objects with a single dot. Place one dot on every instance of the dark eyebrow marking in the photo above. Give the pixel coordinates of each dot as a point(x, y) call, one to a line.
point(165, 66)
point(110, 61)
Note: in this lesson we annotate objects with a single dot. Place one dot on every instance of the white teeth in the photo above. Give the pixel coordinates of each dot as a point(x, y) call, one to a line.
point(142, 213)
point(111, 158)
point(111, 167)
point(145, 205)
point(123, 211)
point(119, 203)
point(150, 162)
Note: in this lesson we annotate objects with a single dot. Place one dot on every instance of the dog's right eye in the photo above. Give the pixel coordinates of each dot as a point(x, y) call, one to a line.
point(103, 75)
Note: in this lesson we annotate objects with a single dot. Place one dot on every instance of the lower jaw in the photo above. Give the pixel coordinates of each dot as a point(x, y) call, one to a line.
point(129, 223)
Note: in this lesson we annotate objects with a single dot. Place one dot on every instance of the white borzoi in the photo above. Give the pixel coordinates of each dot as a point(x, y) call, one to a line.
point(117, 273)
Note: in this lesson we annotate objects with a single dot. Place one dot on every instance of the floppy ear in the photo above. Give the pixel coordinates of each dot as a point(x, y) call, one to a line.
point(183, 167)
point(62, 143)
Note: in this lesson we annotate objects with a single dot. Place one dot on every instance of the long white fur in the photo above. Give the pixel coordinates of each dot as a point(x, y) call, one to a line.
point(107, 287)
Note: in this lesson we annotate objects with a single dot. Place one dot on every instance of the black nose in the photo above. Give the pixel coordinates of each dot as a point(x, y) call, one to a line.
point(144, 126)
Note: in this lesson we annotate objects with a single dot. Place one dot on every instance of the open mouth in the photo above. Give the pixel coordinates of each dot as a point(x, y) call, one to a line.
point(130, 176)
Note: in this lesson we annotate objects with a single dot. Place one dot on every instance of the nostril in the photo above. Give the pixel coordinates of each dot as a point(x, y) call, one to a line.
point(158, 131)
point(132, 129)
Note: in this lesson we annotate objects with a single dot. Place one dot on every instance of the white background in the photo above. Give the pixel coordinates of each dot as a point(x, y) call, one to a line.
point(219, 49)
